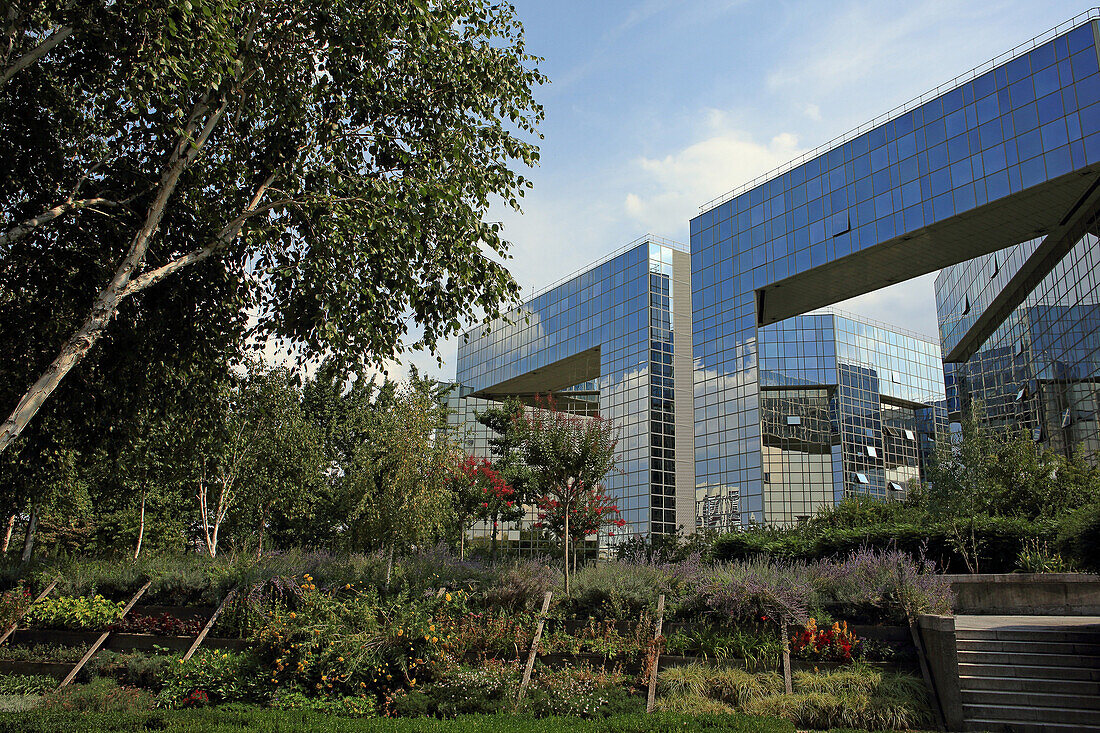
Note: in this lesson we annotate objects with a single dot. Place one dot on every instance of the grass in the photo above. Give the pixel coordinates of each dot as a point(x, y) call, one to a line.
point(855, 697)
point(226, 720)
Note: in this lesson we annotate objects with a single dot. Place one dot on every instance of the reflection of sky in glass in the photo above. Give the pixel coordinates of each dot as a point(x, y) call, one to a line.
point(1030, 120)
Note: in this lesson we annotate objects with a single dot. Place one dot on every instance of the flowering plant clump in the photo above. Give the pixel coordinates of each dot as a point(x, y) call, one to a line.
point(13, 603)
point(344, 642)
point(163, 625)
point(830, 644)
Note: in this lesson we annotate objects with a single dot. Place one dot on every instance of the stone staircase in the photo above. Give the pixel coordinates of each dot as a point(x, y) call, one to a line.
point(1030, 679)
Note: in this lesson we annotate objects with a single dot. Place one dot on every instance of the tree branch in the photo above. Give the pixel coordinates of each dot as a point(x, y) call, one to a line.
point(225, 237)
point(36, 53)
point(25, 227)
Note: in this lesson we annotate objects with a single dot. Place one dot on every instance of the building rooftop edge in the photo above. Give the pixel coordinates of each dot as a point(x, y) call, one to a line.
point(1028, 45)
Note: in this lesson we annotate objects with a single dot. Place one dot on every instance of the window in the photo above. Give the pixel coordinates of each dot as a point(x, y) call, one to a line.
point(1037, 435)
point(1022, 394)
point(794, 420)
point(909, 435)
point(1067, 418)
point(862, 478)
point(966, 304)
point(872, 451)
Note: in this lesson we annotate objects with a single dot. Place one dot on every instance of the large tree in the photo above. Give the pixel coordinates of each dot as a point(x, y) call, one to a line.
point(341, 153)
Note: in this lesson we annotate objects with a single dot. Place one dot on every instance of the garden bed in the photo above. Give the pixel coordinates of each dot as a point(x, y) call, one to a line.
point(119, 641)
point(53, 669)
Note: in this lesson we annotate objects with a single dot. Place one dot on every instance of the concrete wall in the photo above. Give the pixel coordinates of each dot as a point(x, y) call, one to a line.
point(938, 637)
point(1072, 594)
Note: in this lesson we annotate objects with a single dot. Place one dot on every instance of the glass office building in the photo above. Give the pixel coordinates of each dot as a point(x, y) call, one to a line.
point(1003, 155)
point(613, 339)
point(847, 407)
point(1039, 370)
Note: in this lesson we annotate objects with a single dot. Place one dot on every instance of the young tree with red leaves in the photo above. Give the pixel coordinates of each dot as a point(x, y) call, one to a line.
point(568, 454)
point(480, 493)
point(593, 510)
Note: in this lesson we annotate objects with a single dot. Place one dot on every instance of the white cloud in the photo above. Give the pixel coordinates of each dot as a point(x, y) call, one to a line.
point(669, 190)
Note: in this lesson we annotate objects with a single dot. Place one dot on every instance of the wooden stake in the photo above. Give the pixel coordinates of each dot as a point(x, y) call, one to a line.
point(43, 594)
point(103, 637)
point(209, 625)
point(652, 699)
point(787, 684)
point(534, 648)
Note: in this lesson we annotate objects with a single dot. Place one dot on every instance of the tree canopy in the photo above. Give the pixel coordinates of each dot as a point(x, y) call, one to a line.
point(337, 157)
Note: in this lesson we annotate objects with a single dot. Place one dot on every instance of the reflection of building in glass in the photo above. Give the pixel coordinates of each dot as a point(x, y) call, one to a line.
point(847, 407)
point(1003, 155)
point(1039, 369)
point(615, 338)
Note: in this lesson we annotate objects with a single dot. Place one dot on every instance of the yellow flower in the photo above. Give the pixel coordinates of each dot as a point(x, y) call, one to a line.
point(362, 684)
point(347, 586)
point(400, 631)
point(448, 596)
point(293, 615)
point(339, 659)
point(431, 628)
point(435, 639)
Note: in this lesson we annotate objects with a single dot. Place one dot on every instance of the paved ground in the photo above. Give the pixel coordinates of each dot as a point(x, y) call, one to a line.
point(976, 623)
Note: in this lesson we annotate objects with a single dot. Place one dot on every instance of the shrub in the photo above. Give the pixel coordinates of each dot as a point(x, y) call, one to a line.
point(26, 684)
point(135, 669)
point(221, 676)
point(520, 586)
point(163, 625)
point(874, 585)
point(616, 590)
point(80, 612)
point(42, 653)
point(13, 603)
point(757, 591)
point(1079, 537)
point(98, 696)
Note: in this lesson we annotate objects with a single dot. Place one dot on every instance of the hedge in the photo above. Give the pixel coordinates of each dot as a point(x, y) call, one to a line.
point(999, 539)
point(222, 720)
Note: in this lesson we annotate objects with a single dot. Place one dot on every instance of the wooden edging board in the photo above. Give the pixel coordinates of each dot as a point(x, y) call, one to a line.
point(103, 637)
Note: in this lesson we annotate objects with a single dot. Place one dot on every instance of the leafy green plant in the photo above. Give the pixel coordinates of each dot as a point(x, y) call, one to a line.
point(99, 696)
point(75, 612)
point(42, 652)
point(222, 676)
point(26, 684)
point(1036, 556)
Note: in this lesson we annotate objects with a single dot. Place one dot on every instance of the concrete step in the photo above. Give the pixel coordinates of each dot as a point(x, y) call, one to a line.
point(1042, 672)
point(1080, 688)
point(1002, 726)
point(1037, 659)
point(1016, 698)
point(1029, 647)
point(1024, 714)
point(1046, 635)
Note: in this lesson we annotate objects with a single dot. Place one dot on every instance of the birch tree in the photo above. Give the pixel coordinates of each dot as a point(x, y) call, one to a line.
point(343, 153)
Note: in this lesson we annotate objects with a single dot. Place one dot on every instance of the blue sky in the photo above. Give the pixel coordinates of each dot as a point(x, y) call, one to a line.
point(657, 106)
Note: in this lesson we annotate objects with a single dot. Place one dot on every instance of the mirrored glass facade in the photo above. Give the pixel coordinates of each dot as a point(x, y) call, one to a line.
point(996, 160)
point(1039, 371)
point(615, 338)
point(847, 407)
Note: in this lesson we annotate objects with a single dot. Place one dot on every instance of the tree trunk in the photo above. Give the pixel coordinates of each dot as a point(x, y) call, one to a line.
point(566, 507)
point(461, 543)
point(7, 535)
point(493, 546)
point(141, 525)
point(389, 566)
point(110, 298)
point(28, 538)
